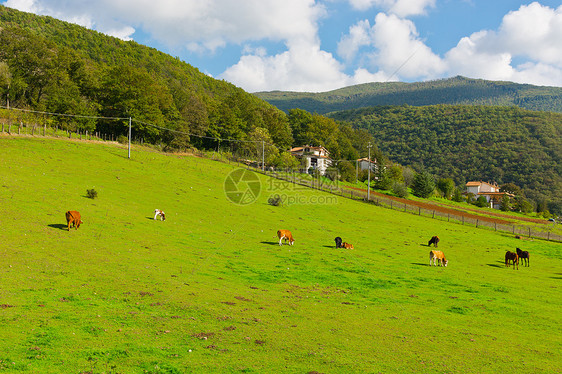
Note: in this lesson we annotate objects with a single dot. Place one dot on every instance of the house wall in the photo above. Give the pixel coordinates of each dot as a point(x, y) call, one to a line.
point(485, 187)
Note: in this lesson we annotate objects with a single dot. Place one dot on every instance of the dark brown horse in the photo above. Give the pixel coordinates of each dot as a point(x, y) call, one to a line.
point(524, 256)
point(512, 256)
point(434, 240)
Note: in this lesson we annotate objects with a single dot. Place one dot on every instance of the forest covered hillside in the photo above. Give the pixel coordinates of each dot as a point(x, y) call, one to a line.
point(457, 90)
point(58, 67)
point(65, 68)
point(501, 144)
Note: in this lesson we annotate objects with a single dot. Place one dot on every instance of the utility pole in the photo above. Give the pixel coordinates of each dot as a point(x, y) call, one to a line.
point(369, 174)
point(129, 137)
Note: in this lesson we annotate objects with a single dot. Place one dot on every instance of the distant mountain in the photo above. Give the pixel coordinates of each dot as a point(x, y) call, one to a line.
point(457, 90)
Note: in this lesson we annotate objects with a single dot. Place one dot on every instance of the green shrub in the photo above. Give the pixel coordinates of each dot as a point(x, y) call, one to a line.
point(122, 139)
point(400, 190)
point(92, 194)
point(275, 200)
point(481, 202)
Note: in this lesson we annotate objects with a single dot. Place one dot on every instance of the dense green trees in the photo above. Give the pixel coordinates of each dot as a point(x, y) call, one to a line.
point(423, 184)
point(463, 143)
point(446, 186)
point(53, 66)
point(456, 90)
point(59, 67)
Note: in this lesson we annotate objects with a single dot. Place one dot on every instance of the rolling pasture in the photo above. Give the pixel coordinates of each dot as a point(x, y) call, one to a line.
point(210, 290)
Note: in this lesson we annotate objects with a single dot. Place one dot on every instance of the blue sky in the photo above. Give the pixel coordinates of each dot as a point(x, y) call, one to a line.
point(320, 45)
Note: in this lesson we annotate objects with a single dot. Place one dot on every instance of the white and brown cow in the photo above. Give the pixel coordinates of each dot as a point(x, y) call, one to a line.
point(285, 235)
point(438, 258)
point(158, 212)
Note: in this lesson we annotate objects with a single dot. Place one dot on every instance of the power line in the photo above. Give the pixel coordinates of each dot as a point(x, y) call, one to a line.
point(61, 114)
point(137, 121)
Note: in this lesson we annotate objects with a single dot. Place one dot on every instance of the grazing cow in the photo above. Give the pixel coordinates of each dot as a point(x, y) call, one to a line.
point(158, 212)
point(286, 235)
point(524, 256)
point(439, 256)
point(338, 242)
point(512, 256)
point(347, 245)
point(434, 240)
point(73, 218)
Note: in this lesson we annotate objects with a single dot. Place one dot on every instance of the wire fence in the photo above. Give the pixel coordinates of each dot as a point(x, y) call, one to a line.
point(299, 177)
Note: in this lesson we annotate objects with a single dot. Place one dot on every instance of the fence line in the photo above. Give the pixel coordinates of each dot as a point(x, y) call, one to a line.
point(316, 183)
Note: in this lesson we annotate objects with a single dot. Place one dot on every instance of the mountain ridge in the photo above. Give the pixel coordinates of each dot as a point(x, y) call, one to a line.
point(455, 90)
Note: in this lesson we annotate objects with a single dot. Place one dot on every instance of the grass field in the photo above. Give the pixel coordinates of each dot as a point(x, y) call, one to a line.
point(209, 290)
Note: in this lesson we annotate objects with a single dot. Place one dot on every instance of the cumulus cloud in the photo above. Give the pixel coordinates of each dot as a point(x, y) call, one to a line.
point(393, 46)
point(532, 33)
point(358, 37)
point(401, 8)
point(525, 47)
point(303, 67)
point(204, 25)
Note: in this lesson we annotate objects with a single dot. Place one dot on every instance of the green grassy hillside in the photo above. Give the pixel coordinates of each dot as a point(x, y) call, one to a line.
point(210, 290)
point(457, 90)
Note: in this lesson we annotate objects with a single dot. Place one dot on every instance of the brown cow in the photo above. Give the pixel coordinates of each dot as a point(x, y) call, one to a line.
point(434, 240)
point(73, 217)
point(285, 234)
point(439, 257)
point(347, 245)
point(512, 256)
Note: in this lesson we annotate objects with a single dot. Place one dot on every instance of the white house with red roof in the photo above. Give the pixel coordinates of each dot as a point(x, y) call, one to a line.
point(317, 158)
point(491, 191)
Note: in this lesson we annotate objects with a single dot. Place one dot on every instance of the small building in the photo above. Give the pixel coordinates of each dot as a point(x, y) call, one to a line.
point(363, 164)
point(317, 158)
point(491, 191)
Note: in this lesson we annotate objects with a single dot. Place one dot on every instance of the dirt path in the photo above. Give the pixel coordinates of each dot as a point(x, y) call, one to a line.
point(506, 220)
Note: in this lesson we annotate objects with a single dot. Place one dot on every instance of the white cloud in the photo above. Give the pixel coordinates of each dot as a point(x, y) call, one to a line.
point(393, 46)
point(23, 5)
point(209, 24)
point(400, 50)
point(468, 59)
point(402, 8)
point(359, 36)
point(303, 67)
point(526, 47)
point(532, 33)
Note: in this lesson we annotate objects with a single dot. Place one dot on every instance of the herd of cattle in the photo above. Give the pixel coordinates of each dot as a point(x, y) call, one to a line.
point(436, 257)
